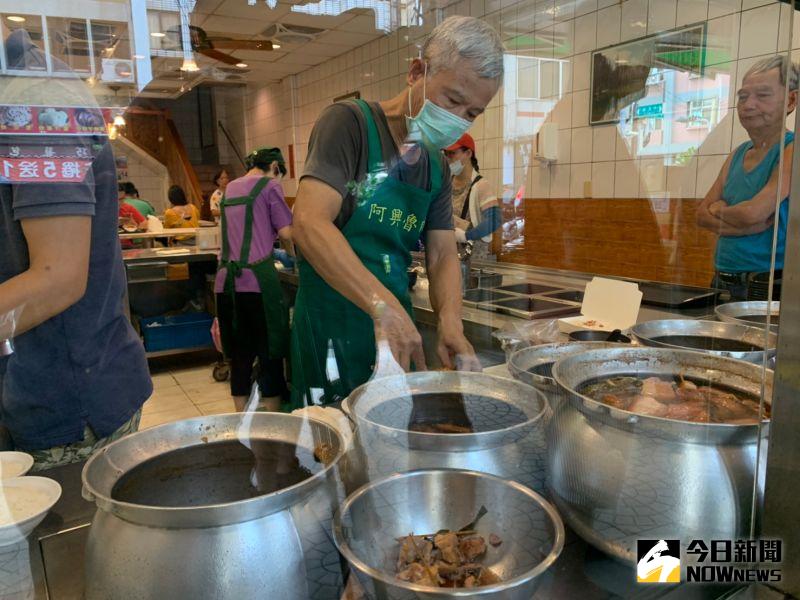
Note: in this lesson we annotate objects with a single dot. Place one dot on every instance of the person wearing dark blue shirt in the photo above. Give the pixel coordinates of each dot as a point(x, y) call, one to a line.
point(750, 197)
point(77, 376)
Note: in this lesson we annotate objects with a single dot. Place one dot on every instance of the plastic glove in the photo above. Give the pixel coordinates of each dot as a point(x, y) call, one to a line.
point(461, 236)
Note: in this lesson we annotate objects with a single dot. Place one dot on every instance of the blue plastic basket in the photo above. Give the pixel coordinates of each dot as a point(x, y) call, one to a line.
point(191, 330)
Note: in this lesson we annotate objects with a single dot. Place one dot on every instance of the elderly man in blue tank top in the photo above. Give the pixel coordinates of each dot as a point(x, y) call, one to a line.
point(741, 205)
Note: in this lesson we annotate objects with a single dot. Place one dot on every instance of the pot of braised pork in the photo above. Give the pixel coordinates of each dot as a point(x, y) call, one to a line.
point(656, 443)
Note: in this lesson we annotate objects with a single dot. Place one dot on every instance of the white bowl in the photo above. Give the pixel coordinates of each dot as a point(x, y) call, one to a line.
point(14, 464)
point(24, 502)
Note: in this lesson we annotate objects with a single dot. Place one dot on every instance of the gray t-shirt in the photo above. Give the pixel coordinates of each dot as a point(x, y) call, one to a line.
point(337, 155)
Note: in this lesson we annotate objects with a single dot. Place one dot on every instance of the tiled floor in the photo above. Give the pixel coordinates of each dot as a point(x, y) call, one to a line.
point(182, 392)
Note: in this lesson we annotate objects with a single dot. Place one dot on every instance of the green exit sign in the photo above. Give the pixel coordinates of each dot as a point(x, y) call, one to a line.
point(650, 110)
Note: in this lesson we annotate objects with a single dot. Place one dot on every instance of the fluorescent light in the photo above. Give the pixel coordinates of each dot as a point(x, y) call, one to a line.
point(138, 56)
point(241, 65)
point(158, 34)
point(16, 19)
point(275, 45)
point(189, 65)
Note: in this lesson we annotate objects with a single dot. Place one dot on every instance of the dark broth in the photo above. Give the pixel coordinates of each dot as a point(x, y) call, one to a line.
point(623, 390)
point(216, 473)
point(703, 342)
point(447, 412)
point(543, 369)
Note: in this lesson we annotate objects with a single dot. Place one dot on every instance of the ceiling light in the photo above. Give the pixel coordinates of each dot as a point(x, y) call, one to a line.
point(138, 56)
point(158, 34)
point(119, 120)
point(275, 45)
point(189, 65)
point(241, 65)
point(16, 19)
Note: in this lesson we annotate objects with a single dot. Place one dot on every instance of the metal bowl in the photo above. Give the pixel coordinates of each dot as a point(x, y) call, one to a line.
point(617, 476)
point(721, 339)
point(507, 416)
point(371, 519)
point(534, 365)
point(750, 314)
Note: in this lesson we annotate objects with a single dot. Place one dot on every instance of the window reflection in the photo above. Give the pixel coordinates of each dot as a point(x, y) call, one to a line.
point(32, 24)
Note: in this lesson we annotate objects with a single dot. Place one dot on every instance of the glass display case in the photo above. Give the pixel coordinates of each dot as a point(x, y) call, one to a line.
point(586, 391)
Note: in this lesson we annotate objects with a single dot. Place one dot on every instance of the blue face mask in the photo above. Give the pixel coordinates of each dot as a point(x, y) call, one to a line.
point(434, 126)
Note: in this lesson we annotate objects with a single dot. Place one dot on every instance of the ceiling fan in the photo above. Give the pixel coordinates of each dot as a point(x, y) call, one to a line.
point(210, 46)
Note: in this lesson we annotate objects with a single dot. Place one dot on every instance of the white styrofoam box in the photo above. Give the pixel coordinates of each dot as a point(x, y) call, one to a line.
point(581, 151)
point(691, 11)
point(538, 182)
point(586, 33)
point(608, 26)
point(653, 176)
point(718, 140)
point(626, 179)
point(604, 139)
point(759, 31)
point(579, 174)
point(708, 168)
point(564, 146)
point(633, 19)
point(580, 108)
point(722, 34)
point(608, 304)
point(560, 181)
point(603, 179)
point(682, 179)
point(661, 16)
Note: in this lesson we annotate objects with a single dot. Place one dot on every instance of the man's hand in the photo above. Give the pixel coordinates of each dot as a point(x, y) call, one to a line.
point(454, 350)
point(393, 324)
point(717, 207)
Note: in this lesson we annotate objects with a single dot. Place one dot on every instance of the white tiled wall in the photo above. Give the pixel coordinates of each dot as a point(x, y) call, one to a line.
point(739, 31)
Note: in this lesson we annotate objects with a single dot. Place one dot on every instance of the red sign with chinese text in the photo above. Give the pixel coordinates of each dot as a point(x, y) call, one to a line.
point(42, 170)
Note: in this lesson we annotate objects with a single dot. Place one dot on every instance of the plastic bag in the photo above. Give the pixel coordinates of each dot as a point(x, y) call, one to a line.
point(8, 327)
point(516, 335)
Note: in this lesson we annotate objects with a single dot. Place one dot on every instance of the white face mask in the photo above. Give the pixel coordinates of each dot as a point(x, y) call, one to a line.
point(434, 126)
point(456, 167)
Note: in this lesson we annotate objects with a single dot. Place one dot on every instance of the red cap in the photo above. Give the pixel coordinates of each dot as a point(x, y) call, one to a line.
point(465, 141)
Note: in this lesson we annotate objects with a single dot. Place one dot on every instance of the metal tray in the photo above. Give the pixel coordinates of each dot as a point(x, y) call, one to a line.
point(530, 307)
point(478, 295)
point(575, 296)
point(527, 289)
point(672, 296)
point(752, 314)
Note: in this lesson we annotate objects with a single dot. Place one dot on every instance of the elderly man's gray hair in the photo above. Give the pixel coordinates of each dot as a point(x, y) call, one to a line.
point(788, 71)
point(465, 38)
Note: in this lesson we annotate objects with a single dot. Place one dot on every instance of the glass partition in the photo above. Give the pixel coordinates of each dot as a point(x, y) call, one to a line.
point(564, 322)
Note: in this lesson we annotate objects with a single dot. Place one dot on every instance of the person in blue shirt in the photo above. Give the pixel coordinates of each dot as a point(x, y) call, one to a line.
point(742, 205)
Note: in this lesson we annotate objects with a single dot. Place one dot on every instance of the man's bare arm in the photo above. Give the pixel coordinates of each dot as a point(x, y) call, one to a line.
point(59, 268)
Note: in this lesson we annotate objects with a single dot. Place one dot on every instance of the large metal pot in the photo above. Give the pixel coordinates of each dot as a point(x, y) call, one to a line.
point(707, 336)
point(617, 476)
point(197, 549)
point(754, 313)
point(374, 517)
point(508, 418)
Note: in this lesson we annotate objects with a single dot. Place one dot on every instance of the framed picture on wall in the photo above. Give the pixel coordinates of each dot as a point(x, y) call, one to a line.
point(637, 71)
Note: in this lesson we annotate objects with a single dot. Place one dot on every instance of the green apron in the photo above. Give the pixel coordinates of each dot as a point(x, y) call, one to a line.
point(333, 341)
point(276, 312)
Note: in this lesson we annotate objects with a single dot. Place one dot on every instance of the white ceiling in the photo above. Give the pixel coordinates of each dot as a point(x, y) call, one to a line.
point(236, 19)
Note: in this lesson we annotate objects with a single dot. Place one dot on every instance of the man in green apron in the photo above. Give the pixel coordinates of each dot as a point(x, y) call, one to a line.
point(374, 183)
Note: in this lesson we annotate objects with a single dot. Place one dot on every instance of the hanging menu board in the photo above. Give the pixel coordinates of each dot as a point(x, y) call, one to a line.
point(37, 120)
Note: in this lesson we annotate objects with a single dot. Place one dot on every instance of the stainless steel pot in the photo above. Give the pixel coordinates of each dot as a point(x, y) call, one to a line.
point(508, 416)
point(194, 549)
point(617, 476)
point(534, 365)
point(669, 333)
point(750, 313)
point(372, 518)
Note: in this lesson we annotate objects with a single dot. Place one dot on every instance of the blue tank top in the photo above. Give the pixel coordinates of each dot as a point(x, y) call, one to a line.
point(752, 253)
